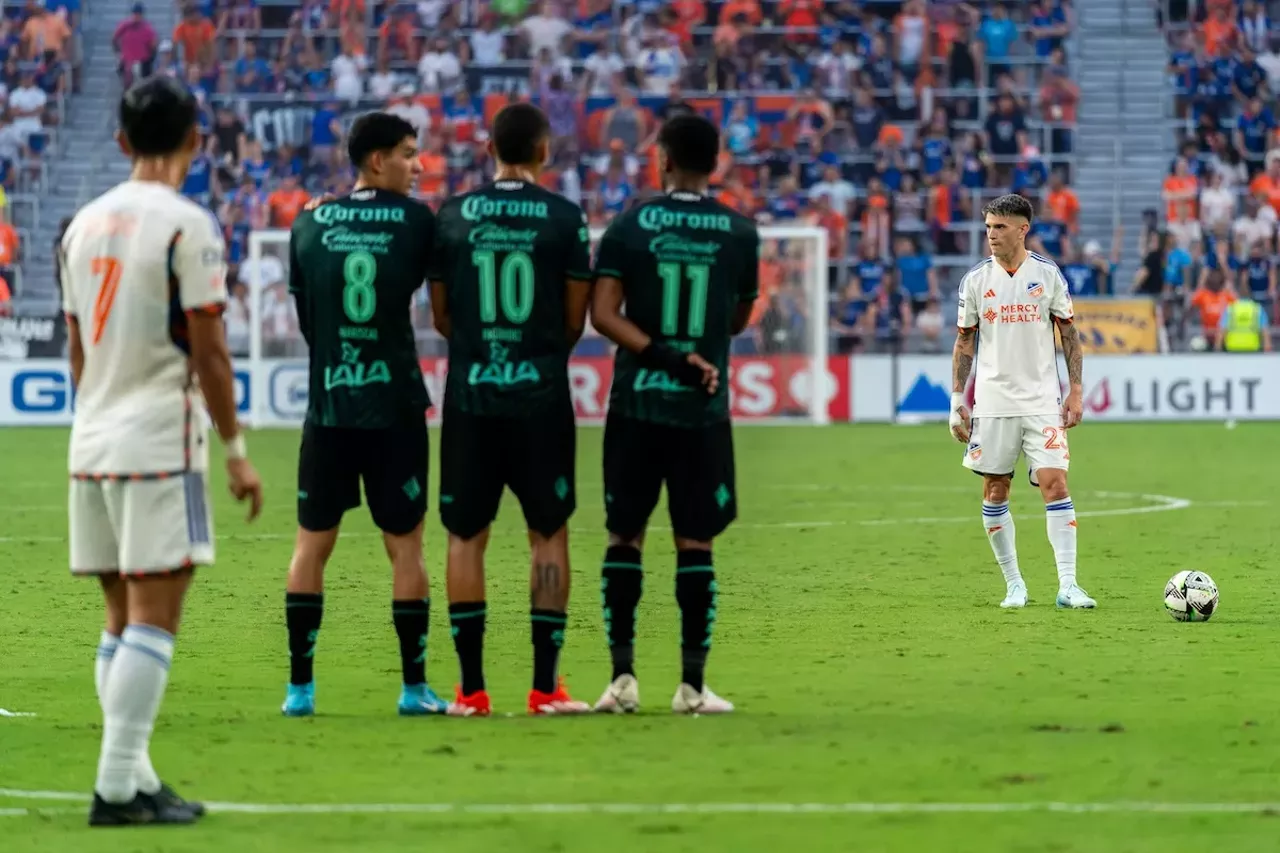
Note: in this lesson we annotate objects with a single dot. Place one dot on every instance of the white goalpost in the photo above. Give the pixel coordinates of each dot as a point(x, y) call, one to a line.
point(778, 370)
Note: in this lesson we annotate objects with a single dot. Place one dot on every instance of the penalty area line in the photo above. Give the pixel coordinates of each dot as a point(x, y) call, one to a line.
point(645, 809)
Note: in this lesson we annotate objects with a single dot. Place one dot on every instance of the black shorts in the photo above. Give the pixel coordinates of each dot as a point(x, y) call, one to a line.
point(696, 464)
point(480, 455)
point(391, 462)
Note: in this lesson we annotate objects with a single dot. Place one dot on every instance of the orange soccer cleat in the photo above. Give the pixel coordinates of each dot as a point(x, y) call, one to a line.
point(470, 705)
point(559, 702)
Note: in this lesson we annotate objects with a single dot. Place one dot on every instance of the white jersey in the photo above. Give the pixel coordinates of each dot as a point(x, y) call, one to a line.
point(1016, 362)
point(134, 262)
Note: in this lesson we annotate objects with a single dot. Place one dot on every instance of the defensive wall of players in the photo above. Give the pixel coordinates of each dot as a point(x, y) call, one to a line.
point(862, 388)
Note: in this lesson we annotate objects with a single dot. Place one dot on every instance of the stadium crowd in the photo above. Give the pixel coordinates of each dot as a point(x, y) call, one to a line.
point(1213, 260)
point(889, 122)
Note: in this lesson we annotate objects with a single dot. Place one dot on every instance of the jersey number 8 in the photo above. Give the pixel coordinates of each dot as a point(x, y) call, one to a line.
point(359, 299)
point(512, 284)
point(699, 276)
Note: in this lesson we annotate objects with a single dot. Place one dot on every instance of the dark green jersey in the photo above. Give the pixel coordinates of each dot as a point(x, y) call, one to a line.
point(504, 253)
point(354, 264)
point(685, 263)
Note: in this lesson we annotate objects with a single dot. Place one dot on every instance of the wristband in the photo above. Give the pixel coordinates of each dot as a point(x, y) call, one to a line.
point(236, 448)
point(957, 401)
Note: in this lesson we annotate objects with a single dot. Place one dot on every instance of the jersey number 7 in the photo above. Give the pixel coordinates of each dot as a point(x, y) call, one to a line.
point(109, 270)
point(699, 276)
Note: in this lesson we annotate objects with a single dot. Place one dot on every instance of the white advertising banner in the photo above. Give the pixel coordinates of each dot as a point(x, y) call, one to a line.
point(1116, 388)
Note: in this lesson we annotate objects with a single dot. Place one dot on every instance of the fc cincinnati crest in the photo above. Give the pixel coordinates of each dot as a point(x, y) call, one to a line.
point(975, 451)
point(1034, 289)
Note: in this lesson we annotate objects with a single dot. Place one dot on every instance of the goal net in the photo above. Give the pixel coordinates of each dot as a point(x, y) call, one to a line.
point(778, 369)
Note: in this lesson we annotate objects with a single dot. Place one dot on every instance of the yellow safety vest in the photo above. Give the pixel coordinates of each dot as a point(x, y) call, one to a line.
point(1243, 327)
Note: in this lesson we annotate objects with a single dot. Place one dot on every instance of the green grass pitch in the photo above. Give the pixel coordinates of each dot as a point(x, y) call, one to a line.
point(858, 632)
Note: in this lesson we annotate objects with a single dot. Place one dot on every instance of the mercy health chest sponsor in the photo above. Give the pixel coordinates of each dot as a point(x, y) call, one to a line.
point(1117, 388)
point(37, 392)
point(759, 387)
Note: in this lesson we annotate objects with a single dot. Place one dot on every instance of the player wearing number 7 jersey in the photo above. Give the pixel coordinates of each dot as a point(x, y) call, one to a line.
point(1009, 307)
point(687, 270)
point(510, 282)
point(354, 264)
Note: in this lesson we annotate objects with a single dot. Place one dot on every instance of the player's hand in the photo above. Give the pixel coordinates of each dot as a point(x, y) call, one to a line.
point(710, 373)
point(316, 201)
point(959, 420)
point(243, 481)
point(1073, 410)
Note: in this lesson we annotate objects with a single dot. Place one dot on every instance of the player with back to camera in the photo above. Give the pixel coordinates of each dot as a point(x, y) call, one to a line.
point(143, 280)
point(354, 264)
point(1009, 306)
point(510, 281)
point(687, 269)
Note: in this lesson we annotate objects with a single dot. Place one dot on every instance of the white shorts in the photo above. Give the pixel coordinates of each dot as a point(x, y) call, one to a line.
point(996, 443)
point(140, 526)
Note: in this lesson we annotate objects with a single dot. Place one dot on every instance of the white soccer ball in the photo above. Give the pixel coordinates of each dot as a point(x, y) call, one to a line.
point(1191, 596)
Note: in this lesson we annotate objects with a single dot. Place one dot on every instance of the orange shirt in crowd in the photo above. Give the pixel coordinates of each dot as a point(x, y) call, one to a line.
point(286, 205)
point(339, 8)
point(6, 297)
point(1181, 211)
point(1065, 208)
point(837, 226)
point(1218, 34)
point(193, 37)
point(1268, 188)
point(1211, 304)
point(8, 245)
point(654, 175)
point(770, 281)
point(435, 173)
point(800, 13)
point(940, 205)
point(45, 32)
point(733, 8)
point(742, 200)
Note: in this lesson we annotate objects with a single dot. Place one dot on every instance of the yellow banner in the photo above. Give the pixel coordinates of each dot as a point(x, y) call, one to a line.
point(1117, 326)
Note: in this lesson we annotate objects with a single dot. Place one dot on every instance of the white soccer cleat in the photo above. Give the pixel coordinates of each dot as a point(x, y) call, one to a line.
point(690, 701)
point(1016, 597)
point(620, 697)
point(1075, 598)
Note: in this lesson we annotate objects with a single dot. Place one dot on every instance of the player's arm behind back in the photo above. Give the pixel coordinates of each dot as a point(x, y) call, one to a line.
point(200, 268)
point(607, 317)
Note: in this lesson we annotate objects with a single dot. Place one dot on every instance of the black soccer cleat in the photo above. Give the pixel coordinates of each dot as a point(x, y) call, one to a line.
point(143, 810)
point(166, 796)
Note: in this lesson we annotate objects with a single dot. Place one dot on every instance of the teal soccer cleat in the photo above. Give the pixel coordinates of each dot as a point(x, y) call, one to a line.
point(419, 700)
point(300, 701)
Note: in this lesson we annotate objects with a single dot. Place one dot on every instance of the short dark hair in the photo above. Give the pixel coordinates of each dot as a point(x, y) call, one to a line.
point(692, 143)
point(156, 116)
point(517, 131)
point(1010, 205)
point(377, 131)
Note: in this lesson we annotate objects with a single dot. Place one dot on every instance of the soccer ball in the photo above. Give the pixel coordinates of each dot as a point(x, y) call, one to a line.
point(1191, 596)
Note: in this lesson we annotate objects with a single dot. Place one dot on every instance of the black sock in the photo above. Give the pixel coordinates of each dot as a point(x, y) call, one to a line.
point(466, 623)
point(696, 595)
point(302, 614)
point(548, 637)
point(412, 618)
point(621, 583)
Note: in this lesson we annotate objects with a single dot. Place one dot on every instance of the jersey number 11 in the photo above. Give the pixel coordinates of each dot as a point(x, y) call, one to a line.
point(699, 276)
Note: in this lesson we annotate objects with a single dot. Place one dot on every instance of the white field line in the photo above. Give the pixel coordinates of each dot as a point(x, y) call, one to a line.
point(1154, 503)
point(669, 808)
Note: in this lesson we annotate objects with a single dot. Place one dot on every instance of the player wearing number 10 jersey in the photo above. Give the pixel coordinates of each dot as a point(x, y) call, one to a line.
point(354, 263)
point(687, 270)
point(509, 288)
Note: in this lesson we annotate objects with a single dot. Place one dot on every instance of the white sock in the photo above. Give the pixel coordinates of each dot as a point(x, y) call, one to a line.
point(1003, 538)
point(1060, 521)
point(134, 687)
point(147, 779)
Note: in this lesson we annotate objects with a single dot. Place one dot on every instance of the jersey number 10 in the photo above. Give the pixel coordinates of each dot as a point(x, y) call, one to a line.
point(699, 276)
point(511, 284)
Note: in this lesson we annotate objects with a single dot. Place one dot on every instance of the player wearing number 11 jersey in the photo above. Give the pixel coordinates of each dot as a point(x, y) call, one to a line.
point(510, 280)
point(687, 270)
point(354, 263)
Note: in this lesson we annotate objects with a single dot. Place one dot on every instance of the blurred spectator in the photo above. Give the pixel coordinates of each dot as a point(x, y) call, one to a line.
point(1217, 204)
point(1181, 190)
point(1257, 275)
point(998, 34)
point(45, 34)
point(915, 272)
point(383, 82)
point(545, 30)
point(405, 105)
point(194, 36)
point(890, 313)
point(849, 319)
point(236, 318)
point(1062, 203)
point(6, 298)
point(838, 192)
point(1256, 224)
point(439, 68)
point(605, 69)
point(1059, 98)
point(1210, 301)
point(136, 44)
point(347, 71)
point(27, 104)
point(286, 202)
point(489, 42)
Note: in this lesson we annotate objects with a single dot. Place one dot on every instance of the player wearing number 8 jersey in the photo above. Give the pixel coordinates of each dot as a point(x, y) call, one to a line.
point(509, 287)
point(1009, 306)
point(354, 263)
point(687, 270)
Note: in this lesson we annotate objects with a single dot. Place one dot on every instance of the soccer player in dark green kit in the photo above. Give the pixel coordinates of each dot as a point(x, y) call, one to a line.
point(687, 269)
point(510, 283)
point(354, 263)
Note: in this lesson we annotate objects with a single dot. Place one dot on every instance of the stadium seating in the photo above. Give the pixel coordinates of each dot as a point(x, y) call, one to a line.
point(1217, 208)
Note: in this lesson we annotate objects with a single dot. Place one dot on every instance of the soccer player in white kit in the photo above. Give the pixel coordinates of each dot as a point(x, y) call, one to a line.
point(1009, 306)
point(143, 282)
